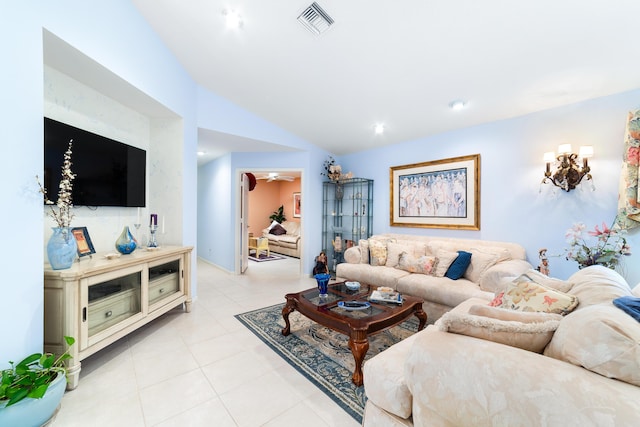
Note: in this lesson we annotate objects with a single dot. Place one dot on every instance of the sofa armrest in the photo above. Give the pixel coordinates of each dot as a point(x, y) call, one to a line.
point(455, 378)
point(352, 255)
point(495, 278)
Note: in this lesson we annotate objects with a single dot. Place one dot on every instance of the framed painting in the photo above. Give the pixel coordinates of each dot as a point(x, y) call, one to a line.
point(297, 206)
point(85, 246)
point(439, 194)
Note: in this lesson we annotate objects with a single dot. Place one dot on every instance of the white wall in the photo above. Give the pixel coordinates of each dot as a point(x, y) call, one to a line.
point(115, 35)
point(511, 171)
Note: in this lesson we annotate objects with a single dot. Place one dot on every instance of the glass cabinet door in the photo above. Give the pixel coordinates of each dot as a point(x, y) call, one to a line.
point(112, 301)
point(164, 281)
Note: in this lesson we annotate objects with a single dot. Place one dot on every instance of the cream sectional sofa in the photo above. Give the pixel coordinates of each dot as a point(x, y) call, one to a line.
point(587, 375)
point(287, 244)
point(491, 262)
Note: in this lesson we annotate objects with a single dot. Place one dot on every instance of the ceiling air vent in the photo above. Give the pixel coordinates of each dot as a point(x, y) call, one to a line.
point(315, 19)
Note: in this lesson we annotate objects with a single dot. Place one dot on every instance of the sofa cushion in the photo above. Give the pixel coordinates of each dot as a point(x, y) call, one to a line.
point(597, 284)
point(352, 255)
point(394, 250)
point(526, 295)
point(459, 265)
point(460, 381)
point(532, 336)
point(480, 261)
point(497, 277)
point(601, 338)
point(445, 259)
point(292, 227)
point(376, 276)
point(364, 251)
point(512, 315)
point(384, 381)
point(278, 230)
point(421, 265)
point(550, 282)
point(377, 252)
point(440, 290)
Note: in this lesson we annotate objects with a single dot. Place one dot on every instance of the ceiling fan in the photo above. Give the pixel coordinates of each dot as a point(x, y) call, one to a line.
point(274, 176)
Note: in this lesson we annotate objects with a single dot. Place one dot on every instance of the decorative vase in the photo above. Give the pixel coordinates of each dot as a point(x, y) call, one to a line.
point(126, 243)
point(323, 282)
point(62, 248)
point(339, 191)
point(35, 412)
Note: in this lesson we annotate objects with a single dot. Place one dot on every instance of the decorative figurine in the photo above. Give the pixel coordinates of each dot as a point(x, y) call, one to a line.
point(543, 267)
point(321, 264)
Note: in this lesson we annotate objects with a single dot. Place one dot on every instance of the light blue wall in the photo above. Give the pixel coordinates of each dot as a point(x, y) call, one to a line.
point(511, 170)
point(218, 180)
point(115, 35)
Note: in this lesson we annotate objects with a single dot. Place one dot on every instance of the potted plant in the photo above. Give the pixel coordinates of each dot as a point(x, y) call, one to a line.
point(278, 215)
point(31, 390)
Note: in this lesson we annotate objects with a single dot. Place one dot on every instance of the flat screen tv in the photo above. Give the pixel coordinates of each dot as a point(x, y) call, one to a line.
point(108, 172)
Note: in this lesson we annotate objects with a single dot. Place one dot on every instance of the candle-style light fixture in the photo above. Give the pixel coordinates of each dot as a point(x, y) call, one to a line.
point(568, 173)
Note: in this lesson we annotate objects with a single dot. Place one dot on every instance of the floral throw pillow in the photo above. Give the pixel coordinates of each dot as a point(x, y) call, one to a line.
point(377, 252)
point(523, 294)
point(421, 265)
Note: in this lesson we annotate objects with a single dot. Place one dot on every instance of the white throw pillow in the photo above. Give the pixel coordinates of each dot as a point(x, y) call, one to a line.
point(445, 259)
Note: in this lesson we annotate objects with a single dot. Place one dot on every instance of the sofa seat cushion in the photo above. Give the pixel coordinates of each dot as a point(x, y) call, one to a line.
point(384, 382)
point(377, 276)
point(457, 380)
point(284, 239)
point(441, 290)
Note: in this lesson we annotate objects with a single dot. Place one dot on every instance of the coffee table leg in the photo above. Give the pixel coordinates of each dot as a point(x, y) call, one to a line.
point(288, 308)
point(422, 316)
point(359, 345)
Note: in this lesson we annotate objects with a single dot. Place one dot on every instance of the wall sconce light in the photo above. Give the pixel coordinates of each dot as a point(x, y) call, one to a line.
point(568, 174)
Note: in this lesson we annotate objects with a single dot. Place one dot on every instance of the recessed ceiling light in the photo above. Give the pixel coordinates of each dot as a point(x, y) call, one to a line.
point(201, 153)
point(458, 104)
point(232, 18)
point(379, 128)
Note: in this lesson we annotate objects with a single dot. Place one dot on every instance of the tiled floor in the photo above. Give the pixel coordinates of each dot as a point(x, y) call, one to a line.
point(203, 368)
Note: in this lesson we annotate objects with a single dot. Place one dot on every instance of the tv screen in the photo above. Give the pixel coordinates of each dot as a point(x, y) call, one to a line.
point(108, 172)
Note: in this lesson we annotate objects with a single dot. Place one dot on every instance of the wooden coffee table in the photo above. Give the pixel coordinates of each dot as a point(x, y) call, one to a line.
point(358, 325)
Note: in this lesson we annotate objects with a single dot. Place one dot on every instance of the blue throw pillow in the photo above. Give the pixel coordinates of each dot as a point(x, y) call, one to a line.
point(459, 265)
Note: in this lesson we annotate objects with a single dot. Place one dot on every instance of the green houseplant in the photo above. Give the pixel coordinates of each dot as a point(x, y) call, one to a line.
point(24, 387)
point(278, 215)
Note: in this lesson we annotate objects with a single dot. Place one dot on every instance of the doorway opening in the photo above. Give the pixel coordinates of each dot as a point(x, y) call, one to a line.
point(276, 191)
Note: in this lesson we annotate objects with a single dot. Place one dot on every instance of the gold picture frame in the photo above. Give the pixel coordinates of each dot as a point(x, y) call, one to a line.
point(438, 194)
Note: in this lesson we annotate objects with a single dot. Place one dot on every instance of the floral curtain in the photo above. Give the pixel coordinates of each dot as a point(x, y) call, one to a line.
point(628, 199)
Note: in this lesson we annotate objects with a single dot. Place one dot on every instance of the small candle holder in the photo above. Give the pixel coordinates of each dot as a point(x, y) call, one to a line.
point(137, 236)
point(153, 243)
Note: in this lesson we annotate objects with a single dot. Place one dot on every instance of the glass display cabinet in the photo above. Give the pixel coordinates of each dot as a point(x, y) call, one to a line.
point(347, 217)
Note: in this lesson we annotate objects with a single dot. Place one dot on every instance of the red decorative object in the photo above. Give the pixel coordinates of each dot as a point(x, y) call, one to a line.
point(252, 180)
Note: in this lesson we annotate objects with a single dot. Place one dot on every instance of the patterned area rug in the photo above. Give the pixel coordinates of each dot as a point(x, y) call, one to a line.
point(320, 354)
point(263, 257)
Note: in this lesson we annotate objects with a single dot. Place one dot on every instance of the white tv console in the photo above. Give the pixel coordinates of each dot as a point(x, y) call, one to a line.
point(98, 301)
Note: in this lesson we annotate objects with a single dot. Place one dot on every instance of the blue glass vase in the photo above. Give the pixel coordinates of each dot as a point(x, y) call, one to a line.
point(62, 248)
point(323, 283)
point(126, 242)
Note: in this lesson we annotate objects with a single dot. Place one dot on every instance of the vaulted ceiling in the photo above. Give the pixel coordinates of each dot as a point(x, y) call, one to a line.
point(401, 63)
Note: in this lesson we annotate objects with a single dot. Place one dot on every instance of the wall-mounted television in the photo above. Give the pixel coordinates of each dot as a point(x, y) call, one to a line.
point(108, 172)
